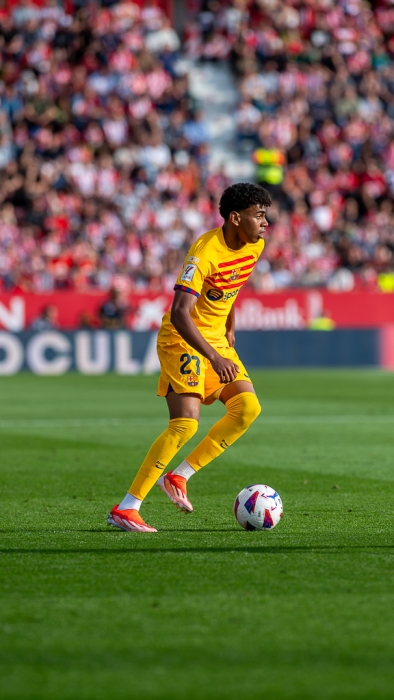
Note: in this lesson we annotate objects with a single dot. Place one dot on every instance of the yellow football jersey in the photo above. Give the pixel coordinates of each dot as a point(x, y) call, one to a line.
point(214, 274)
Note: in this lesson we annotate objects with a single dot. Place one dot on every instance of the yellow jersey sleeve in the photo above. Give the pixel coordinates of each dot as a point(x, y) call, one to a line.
point(195, 269)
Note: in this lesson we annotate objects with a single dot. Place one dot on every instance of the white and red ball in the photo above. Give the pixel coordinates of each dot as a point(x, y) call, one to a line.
point(258, 507)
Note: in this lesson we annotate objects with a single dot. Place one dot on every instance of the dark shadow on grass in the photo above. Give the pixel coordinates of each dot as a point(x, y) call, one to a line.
point(107, 531)
point(59, 531)
point(259, 548)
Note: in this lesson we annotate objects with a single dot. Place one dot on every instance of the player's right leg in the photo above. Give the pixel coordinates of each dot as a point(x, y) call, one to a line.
point(180, 429)
point(184, 409)
point(174, 486)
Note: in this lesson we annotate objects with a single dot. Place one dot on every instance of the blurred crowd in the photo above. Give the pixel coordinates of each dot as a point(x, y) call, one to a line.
point(316, 109)
point(104, 156)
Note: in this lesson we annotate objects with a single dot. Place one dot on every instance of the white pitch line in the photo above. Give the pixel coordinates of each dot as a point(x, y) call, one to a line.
point(63, 423)
point(133, 422)
point(334, 420)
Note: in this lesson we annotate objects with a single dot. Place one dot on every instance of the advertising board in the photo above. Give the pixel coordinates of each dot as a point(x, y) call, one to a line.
point(290, 310)
point(57, 352)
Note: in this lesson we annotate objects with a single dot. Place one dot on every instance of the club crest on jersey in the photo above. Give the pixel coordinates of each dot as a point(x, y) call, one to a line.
point(188, 273)
point(192, 380)
point(234, 275)
point(214, 294)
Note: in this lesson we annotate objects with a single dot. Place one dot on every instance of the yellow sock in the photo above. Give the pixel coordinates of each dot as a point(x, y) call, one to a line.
point(179, 431)
point(242, 410)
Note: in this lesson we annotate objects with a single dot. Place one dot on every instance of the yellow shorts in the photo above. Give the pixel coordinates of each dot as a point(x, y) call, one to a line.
point(185, 371)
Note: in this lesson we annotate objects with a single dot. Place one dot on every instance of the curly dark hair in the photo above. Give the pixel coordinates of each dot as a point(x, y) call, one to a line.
point(241, 196)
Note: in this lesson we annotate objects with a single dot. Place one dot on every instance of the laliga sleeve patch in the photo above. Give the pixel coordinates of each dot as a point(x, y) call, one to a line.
point(188, 273)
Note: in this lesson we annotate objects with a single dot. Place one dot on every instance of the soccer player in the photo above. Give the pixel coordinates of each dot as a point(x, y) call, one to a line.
point(198, 361)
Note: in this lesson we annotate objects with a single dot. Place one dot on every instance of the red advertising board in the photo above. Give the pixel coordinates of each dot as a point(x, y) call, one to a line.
point(276, 311)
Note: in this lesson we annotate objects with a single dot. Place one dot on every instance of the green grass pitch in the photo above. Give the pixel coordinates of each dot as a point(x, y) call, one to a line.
point(203, 609)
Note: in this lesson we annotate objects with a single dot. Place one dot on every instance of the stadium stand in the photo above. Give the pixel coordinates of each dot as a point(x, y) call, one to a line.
point(316, 84)
point(104, 174)
point(103, 178)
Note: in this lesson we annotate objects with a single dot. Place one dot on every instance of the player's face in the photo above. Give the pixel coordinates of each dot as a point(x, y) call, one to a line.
point(252, 223)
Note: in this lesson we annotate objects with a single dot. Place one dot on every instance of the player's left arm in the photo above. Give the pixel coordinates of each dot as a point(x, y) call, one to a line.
point(230, 327)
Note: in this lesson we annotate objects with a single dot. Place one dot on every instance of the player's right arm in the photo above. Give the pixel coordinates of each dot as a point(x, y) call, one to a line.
point(182, 306)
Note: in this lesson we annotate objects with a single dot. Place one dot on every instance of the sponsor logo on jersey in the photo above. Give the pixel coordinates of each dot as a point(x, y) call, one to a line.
point(218, 295)
point(192, 380)
point(188, 273)
point(234, 275)
point(228, 295)
point(192, 259)
point(215, 294)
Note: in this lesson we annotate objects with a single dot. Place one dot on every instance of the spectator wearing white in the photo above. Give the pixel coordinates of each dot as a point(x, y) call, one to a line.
point(163, 39)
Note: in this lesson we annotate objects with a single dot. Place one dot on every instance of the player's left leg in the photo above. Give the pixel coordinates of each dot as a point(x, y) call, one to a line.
point(243, 408)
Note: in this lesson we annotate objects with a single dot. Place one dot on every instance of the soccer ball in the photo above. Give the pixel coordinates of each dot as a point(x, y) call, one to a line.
point(258, 507)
